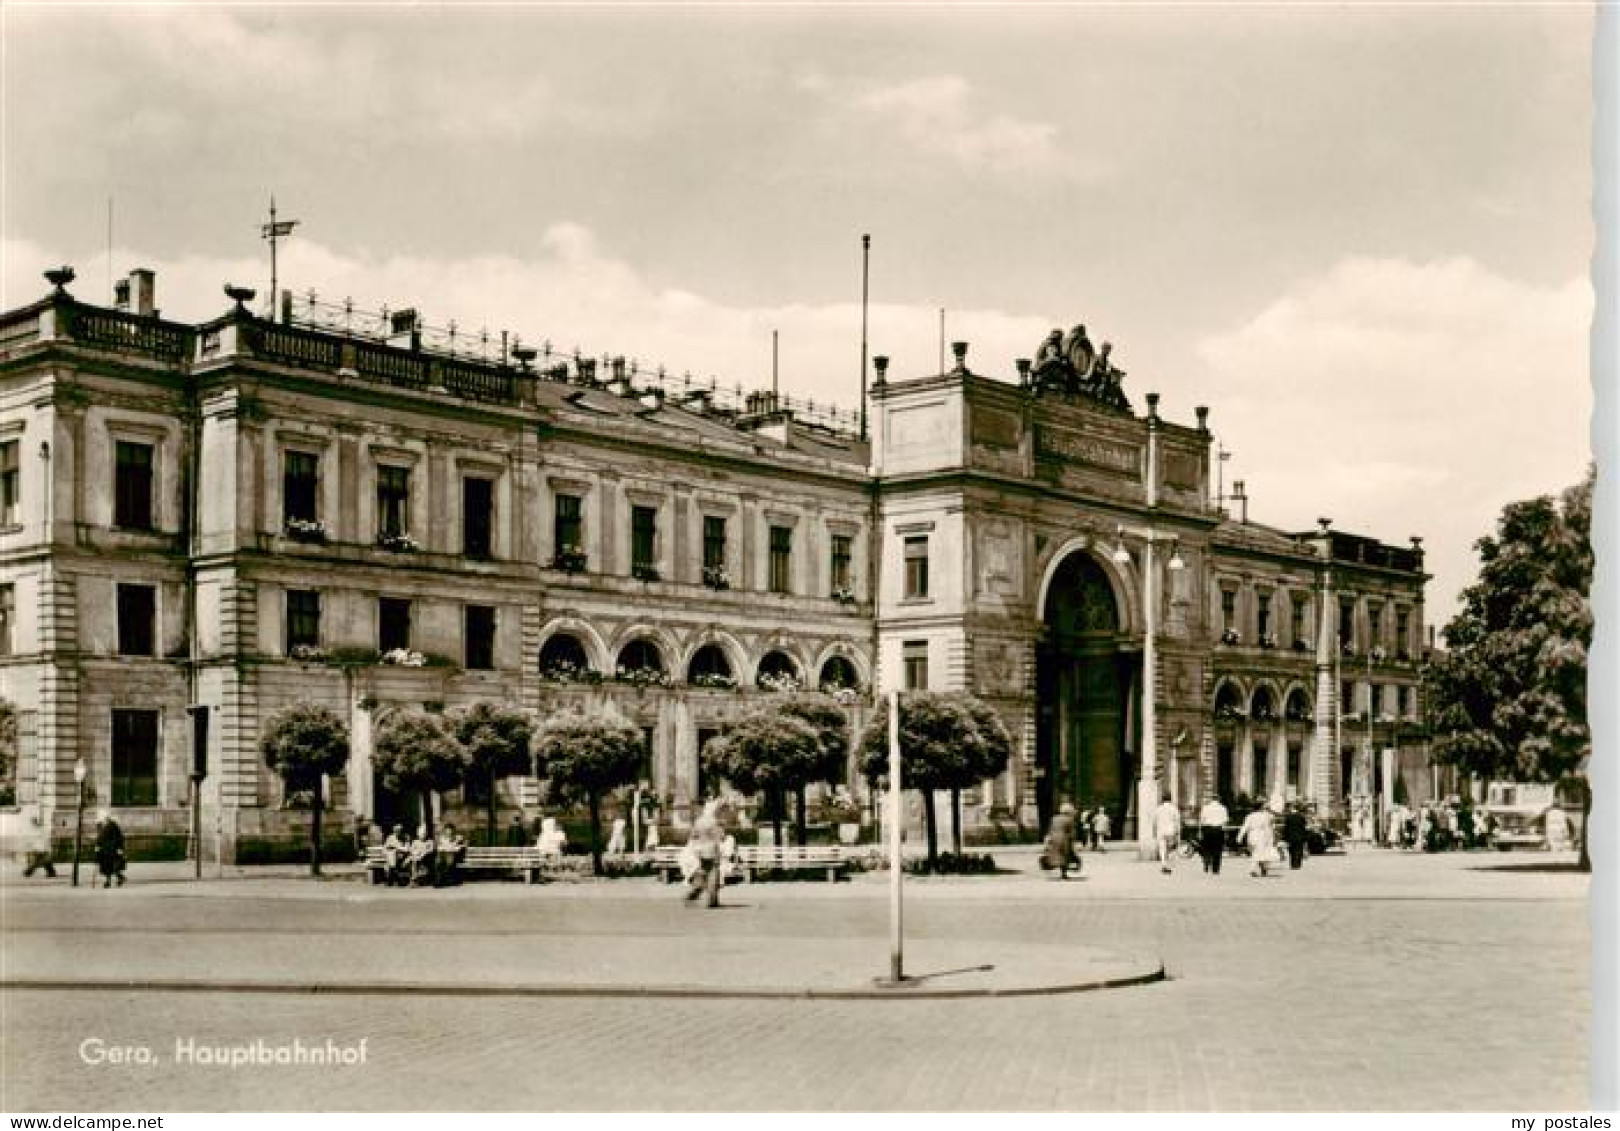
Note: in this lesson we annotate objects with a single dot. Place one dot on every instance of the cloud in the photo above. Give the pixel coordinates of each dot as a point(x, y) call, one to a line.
point(944, 116)
point(1405, 398)
point(574, 294)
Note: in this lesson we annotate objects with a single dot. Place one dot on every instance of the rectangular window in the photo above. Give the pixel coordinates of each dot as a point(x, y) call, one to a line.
point(8, 616)
point(914, 665)
point(643, 538)
point(1375, 623)
point(479, 637)
point(477, 517)
point(1296, 623)
point(781, 561)
point(393, 623)
point(134, 758)
point(1228, 610)
point(137, 610)
point(1347, 623)
point(10, 484)
point(1263, 616)
point(300, 479)
point(393, 500)
point(1347, 698)
point(916, 581)
point(714, 542)
point(132, 487)
point(841, 558)
point(568, 524)
point(1403, 700)
point(1403, 626)
point(1374, 701)
point(303, 619)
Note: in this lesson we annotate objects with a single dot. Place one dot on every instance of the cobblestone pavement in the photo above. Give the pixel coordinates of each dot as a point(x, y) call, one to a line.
point(1370, 981)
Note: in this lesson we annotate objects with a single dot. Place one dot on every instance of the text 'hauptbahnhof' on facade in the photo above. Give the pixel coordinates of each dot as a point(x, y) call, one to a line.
point(317, 508)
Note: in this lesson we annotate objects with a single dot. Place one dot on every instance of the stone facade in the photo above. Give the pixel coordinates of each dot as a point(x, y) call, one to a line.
point(246, 514)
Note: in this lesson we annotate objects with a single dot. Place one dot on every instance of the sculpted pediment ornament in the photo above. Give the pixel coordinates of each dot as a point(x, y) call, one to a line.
point(1069, 365)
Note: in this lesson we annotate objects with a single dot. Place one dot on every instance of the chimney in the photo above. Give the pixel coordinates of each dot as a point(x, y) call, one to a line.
point(618, 383)
point(880, 363)
point(1243, 500)
point(1202, 412)
point(142, 293)
point(1023, 371)
point(960, 350)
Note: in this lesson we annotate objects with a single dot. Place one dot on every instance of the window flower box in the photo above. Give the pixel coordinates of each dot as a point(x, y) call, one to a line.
point(1268, 641)
point(844, 594)
point(404, 658)
point(642, 677)
point(716, 577)
point(778, 681)
point(400, 543)
point(564, 672)
point(715, 680)
point(305, 530)
point(569, 559)
point(642, 571)
point(1302, 646)
point(1378, 653)
point(309, 653)
point(1230, 636)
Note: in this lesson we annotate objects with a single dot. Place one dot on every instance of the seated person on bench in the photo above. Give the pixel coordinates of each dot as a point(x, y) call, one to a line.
point(396, 856)
point(421, 857)
point(552, 839)
point(450, 852)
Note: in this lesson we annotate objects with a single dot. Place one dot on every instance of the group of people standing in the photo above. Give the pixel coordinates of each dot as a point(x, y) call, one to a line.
point(1258, 834)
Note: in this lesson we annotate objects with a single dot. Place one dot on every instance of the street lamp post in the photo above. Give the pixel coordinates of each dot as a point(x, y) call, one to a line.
point(1147, 785)
point(80, 772)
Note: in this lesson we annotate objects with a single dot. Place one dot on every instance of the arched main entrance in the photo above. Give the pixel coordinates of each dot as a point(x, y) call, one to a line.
point(1081, 685)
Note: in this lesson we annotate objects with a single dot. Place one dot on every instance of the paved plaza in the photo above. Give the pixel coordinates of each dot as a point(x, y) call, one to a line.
point(1370, 980)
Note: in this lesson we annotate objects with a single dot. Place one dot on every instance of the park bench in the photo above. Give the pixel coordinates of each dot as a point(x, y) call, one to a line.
point(792, 858)
point(666, 861)
point(525, 859)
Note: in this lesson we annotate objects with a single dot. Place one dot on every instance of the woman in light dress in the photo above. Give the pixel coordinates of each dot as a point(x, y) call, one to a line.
point(552, 839)
point(1258, 833)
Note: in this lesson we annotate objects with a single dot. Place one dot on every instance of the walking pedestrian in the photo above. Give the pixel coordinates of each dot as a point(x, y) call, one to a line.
point(704, 843)
point(109, 849)
point(1212, 820)
point(39, 854)
point(1101, 826)
point(1294, 833)
point(1167, 832)
point(616, 838)
point(1257, 834)
point(1059, 851)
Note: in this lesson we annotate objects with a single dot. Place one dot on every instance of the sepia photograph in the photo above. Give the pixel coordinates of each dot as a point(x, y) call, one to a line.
point(775, 558)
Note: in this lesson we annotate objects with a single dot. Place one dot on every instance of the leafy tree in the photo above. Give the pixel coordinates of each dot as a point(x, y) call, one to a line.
point(586, 756)
point(415, 752)
point(8, 753)
point(767, 751)
point(1509, 694)
point(496, 740)
point(302, 744)
point(989, 756)
point(947, 741)
point(831, 725)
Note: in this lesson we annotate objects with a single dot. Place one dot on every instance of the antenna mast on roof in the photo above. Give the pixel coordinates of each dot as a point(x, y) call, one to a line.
point(275, 231)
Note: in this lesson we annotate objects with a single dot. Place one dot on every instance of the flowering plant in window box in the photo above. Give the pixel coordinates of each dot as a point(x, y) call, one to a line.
point(778, 681)
point(716, 577)
point(1378, 653)
point(1262, 714)
point(1229, 636)
point(719, 680)
point(844, 594)
point(1229, 711)
point(1268, 641)
point(309, 653)
point(1348, 647)
point(569, 559)
point(404, 658)
point(1302, 646)
point(305, 530)
point(642, 677)
point(643, 571)
point(1299, 715)
point(846, 696)
point(564, 671)
point(399, 543)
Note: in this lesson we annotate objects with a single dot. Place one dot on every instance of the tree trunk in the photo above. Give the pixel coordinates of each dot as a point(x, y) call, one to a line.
point(956, 821)
point(1586, 824)
point(799, 817)
point(596, 838)
point(931, 825)
point(315, 831)
point(777, 805)
point(427, 812)
point(489, 813)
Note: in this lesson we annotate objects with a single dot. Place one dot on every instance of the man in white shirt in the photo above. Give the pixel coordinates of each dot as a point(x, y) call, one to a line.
point(1212, 820)
point(1167, 832)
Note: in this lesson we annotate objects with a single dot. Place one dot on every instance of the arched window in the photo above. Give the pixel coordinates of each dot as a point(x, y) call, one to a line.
point(778, 672)
point(563, 657)
point(1228, 702)
point(1299, 706)
point(641, 654)
point(710, 668)
point(1263, 706)
point(838, 673)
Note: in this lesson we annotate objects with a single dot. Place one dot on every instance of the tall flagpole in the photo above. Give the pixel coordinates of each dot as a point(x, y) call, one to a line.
point(274, 231)
point(866, 256)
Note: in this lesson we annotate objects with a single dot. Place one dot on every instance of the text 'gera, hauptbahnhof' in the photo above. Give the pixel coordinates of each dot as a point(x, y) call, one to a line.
point(320, 507)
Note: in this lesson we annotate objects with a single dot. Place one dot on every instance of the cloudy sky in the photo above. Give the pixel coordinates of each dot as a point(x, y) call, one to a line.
point(1360, 236)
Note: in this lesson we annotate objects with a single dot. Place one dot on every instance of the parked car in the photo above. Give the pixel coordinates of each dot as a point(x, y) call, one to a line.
point(1518, 813)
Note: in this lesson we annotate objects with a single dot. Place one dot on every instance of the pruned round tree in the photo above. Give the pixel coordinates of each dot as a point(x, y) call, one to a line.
point(768, 751)
point(303, 744)
point(496, 740)
point(831, 724)
point(948, 740)
point(587, 756)
point(1508, 696)
point(416, 752)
